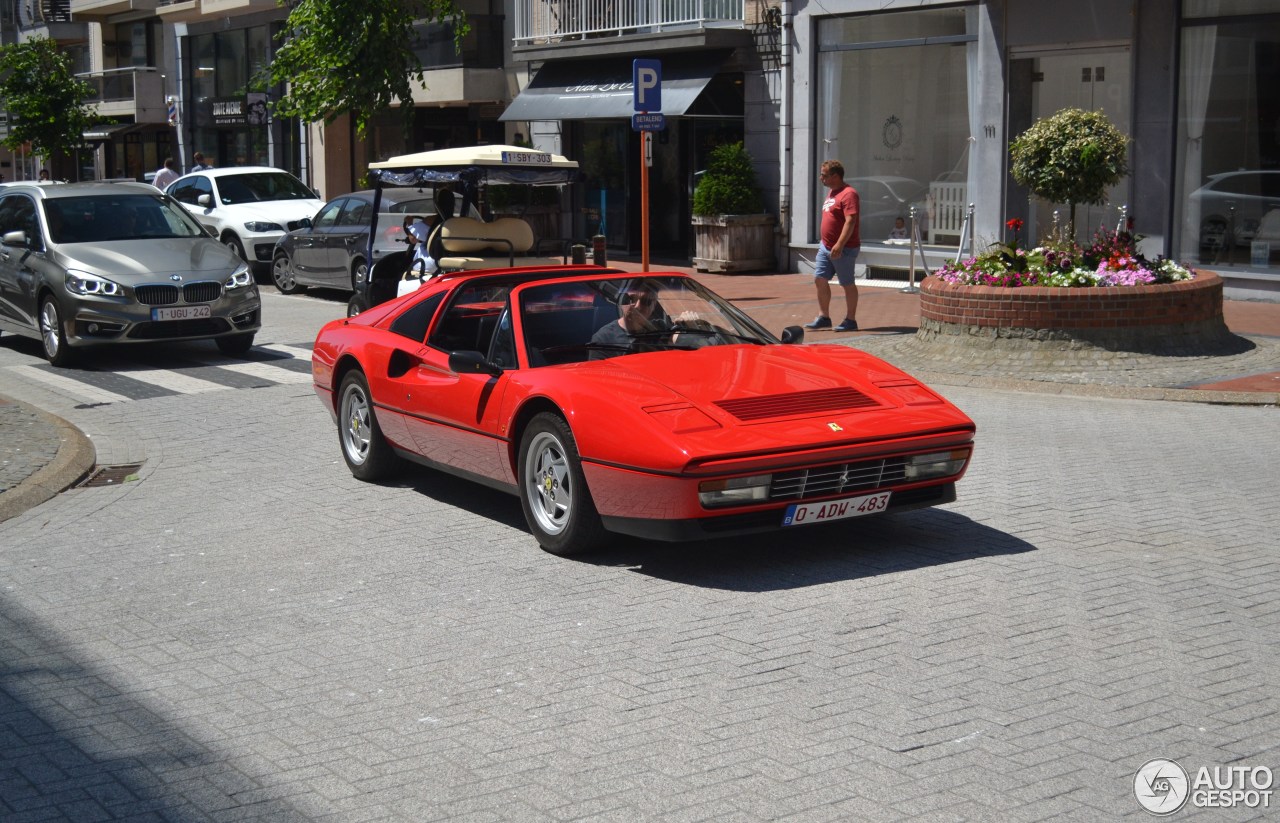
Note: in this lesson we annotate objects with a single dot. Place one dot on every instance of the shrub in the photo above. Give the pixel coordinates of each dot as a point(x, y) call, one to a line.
point(729, 184)
point(1071, 157)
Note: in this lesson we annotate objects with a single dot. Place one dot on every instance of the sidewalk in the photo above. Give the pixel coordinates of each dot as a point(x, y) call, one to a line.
point(41, 455)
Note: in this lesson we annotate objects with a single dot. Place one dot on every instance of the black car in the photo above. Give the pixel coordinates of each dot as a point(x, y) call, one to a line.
point(330, 250)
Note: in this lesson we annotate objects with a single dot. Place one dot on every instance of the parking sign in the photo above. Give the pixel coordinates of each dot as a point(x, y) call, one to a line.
point(646, 83)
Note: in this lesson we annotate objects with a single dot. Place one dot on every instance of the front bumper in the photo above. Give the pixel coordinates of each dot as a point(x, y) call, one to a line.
point(729, 525)
point(94, 322)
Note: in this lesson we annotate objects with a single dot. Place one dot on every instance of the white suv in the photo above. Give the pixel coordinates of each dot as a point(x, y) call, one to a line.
point(248, 208)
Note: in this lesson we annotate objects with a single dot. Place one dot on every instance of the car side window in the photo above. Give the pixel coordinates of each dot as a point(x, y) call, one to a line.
point(189, 190)
point(503, 350)
point(414, 323)
point(17, 213)
point(470, 320)
point(328, 216)
point(356, 214)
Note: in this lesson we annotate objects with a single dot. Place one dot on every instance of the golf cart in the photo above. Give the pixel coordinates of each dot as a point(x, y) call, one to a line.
point(459, 242)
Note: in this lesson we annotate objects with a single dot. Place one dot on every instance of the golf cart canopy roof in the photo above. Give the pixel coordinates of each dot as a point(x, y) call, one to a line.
point(475, 166)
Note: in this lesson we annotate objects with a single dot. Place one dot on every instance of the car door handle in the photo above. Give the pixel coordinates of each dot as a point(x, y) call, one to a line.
point(351, 241)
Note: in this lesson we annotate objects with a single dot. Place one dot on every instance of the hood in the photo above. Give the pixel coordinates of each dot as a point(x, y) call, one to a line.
point(727, 402)
point(281, 212)
point(151, 259)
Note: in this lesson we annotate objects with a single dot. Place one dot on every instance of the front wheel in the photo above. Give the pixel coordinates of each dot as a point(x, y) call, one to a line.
point(282, 275)
point(357, 304)
point(368, 454)
point(53, 336)
point(232, 242)
point(359, 274)
point(553, 490)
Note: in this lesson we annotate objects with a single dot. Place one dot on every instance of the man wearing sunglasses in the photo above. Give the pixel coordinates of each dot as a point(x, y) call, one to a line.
point(635, 307)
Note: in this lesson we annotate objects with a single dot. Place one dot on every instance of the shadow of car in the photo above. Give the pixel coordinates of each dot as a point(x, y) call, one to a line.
point(332, 249)
point(92, 264)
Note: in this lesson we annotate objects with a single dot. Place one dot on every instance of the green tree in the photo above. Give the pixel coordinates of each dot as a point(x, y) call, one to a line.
point(354, 56)
point(1071, 157)
point(729, 184)
point(45, 101)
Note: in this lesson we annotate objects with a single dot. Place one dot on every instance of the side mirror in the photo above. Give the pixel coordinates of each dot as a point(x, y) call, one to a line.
point(205, 200)
point(15, 238)
point(793, 334)
point(304, 223)
point(472, 362)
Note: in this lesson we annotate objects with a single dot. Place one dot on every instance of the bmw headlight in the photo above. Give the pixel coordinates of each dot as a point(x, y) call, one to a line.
point(935, 464)
point(241, 278)
point(83, 283)
point(261, 227)
point(736, 491)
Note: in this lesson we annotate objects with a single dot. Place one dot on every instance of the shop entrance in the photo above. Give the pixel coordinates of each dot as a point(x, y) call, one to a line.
point(1090, 79)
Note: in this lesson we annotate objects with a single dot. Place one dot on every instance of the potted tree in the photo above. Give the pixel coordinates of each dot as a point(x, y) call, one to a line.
point(1071, 157)
point(732, 232)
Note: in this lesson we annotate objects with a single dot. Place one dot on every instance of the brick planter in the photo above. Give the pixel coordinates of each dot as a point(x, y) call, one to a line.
point(1173, 319)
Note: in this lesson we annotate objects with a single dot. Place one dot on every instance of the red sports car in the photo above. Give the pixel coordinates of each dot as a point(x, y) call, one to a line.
point(640, 404)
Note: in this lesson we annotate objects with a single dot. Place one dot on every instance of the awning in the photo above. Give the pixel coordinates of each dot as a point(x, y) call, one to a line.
point(101, 134)
point(597, 89)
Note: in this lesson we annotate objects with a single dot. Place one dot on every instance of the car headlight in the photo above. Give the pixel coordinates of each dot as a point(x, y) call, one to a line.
point(736, 491)
point(935, 464)
point(260, 227)
point(83, 283)
point(241, 278)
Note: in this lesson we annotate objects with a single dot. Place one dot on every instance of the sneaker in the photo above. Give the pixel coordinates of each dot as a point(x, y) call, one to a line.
point(847, 324)
point(819, 322)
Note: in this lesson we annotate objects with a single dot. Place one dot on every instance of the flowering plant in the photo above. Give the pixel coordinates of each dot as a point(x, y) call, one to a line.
point(1112, 259)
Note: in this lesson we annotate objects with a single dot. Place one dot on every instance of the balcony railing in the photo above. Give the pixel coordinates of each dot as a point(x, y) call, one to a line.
point(133, 91)
point(553, 21)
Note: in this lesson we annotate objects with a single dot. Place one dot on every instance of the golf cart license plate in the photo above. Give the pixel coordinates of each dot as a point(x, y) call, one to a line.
point(182, 313)
point(802, 514)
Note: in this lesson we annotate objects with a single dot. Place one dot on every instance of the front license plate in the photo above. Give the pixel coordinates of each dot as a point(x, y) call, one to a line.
point(803, 514)
point(182, 313)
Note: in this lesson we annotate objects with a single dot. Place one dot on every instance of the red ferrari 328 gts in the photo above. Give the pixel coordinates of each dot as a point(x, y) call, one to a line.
point(640, 404)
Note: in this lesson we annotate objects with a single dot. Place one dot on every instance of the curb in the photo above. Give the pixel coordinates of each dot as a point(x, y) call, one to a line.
point(1222, 398)
point(75, 457)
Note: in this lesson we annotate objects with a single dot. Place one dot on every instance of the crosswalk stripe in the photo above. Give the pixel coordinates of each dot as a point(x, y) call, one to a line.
point(292, 351)
point(172, 380)
point(76, 388)
point(261, 370)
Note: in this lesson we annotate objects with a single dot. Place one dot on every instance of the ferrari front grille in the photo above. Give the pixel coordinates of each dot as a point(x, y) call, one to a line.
point(822, 481)
point(768, 406)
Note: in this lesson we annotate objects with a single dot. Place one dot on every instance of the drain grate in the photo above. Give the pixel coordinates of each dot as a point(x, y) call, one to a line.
point(110, 475)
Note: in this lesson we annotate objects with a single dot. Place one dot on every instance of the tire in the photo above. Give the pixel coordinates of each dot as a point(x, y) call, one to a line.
point(53, 337)
point(359, 273)
point(237, 345)
point(553, 490)
point(232, 242)
point(283, 277)
point(368, 454)
point(357, 304)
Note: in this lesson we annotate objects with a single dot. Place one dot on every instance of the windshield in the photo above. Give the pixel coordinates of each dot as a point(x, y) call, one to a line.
point(104, 218)
point(569, 322)
point(254, 187)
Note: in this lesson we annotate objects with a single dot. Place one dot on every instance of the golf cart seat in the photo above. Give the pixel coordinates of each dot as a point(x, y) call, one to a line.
point(471, 244)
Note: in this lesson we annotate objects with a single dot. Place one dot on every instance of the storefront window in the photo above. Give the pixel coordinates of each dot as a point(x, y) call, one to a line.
point(893, 107)
point(1228, 145)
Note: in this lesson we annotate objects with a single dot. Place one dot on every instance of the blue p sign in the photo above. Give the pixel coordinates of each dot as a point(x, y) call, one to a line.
point(646, 83)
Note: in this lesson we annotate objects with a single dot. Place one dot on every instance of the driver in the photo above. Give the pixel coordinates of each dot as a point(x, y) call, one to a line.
point(635, 308)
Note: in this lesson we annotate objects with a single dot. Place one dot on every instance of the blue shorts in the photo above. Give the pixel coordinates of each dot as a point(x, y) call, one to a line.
point(842, 268)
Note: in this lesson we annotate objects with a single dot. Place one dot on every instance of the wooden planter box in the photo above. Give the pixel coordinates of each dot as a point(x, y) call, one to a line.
point(1173, 318)
point(734, 242)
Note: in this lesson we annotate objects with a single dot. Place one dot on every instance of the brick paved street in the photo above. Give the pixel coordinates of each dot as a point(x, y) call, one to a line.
point(247, 633)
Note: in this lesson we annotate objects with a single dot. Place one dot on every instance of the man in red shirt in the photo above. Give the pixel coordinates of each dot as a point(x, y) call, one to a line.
point(838, 248)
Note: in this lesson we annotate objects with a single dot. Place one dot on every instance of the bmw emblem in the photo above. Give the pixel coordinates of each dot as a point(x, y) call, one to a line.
point(177, 278)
